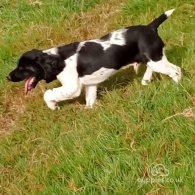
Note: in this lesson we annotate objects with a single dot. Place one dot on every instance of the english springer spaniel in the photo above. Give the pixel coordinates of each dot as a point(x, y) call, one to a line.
point(91, 62)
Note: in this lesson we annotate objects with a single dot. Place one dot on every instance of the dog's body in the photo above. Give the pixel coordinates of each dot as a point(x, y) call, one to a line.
point(92, 62)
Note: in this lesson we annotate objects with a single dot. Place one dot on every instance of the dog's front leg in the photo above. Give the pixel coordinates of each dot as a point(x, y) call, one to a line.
point(165, 67)
point(52, 97)
point(90, 95)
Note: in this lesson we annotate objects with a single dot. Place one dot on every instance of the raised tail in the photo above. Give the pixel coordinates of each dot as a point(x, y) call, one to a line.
point(158, 21)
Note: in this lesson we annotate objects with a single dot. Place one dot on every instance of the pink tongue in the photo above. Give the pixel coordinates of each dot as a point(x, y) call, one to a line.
point(28, 84)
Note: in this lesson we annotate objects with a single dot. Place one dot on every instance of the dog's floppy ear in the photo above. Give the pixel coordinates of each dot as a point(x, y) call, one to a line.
point(29, 57)
point(52, 65)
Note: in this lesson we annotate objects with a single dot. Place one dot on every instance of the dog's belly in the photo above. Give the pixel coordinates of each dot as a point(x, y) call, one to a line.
point(98, 76)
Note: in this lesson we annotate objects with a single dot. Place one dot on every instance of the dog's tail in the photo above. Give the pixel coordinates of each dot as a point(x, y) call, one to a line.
point(158, 21)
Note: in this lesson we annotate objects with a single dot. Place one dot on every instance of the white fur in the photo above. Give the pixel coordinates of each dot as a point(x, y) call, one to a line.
point(116, 38)
point(90, 95)
point(169, 12)
point(81, 44)
point(53, 51)
point(104, 44)
point(98, 76)
point(147, 76)
point(69, 72)
point(71, 85)
point(165, 67)
point(134, 65)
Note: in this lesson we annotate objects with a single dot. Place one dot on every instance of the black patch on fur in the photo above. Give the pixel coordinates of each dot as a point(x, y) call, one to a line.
point(67, 50)
point(89, 58)
point(52, 66)
point(142, 44)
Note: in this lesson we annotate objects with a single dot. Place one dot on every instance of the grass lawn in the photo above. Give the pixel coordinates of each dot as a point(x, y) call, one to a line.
point(137, 140)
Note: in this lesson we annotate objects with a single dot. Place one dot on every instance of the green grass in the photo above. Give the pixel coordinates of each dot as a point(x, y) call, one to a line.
point(18, 18)
point(105, 150)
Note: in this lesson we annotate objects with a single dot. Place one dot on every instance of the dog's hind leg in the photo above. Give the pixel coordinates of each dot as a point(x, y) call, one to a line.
point(90, 95)
point(147, 76)
point(165, 67)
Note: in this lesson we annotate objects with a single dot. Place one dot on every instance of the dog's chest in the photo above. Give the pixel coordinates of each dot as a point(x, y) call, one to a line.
point(98, 76)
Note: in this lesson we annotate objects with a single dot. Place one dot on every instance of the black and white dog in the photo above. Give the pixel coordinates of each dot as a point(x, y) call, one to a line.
point(91, 62)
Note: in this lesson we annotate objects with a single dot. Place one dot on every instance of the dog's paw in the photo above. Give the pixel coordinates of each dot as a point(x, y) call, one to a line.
point(176, 74)
point(145, 82)
point(52, 105)
point(90, 103)
point(48, 100)
point(89, 106)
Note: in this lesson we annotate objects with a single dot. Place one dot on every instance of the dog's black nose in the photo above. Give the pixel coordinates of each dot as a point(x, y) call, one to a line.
point(9, 78)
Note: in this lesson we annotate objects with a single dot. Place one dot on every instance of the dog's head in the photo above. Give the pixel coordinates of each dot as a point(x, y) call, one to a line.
point(35, 65)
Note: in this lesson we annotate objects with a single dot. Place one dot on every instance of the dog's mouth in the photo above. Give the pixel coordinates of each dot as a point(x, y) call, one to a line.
point(30, 84)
